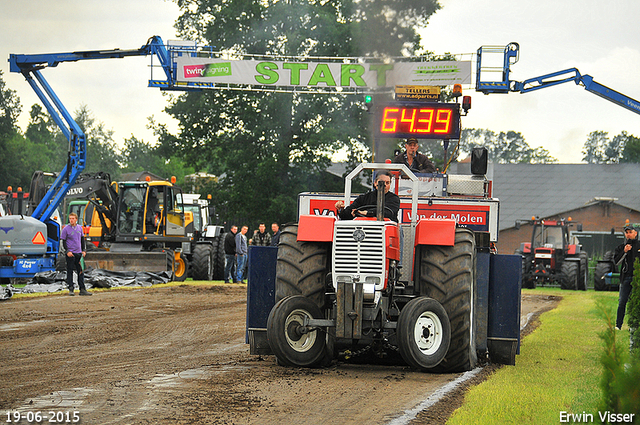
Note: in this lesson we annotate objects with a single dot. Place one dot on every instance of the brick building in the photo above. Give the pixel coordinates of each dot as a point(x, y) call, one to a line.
point(600, 196)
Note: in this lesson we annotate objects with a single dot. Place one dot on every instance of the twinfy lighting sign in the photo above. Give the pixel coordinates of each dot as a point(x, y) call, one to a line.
point(357, 74)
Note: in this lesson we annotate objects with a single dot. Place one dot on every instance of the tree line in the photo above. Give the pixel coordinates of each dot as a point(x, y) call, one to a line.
point(42, 146)
point(266, 147)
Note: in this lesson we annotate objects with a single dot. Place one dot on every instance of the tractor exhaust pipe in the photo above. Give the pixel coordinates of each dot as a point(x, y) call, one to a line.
point(380, 201)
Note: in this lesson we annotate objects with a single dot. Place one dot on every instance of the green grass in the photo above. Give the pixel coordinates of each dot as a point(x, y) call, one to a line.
point(558, 369)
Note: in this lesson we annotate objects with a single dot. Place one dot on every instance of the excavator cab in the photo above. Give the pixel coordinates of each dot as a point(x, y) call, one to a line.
point(131, 209)
point(153, 211)
point(150, 210)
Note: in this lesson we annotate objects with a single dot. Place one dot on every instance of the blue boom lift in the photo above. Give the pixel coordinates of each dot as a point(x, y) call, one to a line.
point(510, 55)
point(30, 244)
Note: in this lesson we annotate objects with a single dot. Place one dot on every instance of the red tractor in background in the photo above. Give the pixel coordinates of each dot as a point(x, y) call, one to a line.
point(13, 202)
point(553, 255)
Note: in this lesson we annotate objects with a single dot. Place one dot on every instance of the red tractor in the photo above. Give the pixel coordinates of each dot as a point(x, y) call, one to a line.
point(553, 255)
point(371, 285)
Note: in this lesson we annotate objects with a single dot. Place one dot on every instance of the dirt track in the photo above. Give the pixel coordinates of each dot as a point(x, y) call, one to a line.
point(178, 355)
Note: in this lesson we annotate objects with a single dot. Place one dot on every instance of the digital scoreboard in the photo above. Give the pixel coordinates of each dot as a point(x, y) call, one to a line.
point(422, 120)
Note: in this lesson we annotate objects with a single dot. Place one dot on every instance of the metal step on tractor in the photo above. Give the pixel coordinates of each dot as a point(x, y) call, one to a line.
point(553, 255)
point(421, 286)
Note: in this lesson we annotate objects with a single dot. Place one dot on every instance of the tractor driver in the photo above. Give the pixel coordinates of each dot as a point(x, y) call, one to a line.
point(364, 205)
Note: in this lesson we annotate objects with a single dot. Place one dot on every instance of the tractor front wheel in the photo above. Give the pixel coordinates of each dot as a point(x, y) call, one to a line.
point(528, 280)
point(289, 337)
point(424, 333)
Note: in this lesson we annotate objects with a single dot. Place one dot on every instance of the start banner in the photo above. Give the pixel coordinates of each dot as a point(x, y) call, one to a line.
point(321, 74)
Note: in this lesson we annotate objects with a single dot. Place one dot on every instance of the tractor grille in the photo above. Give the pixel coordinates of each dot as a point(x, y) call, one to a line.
point(353, 256)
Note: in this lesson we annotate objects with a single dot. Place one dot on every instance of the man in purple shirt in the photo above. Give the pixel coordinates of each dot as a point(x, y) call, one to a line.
point(73, 242)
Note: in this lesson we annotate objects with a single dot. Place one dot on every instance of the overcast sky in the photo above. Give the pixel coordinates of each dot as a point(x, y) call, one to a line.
point(115, 90)
point(599, 38)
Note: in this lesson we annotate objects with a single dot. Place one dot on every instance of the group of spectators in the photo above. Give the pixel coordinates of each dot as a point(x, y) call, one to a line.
point(236, 247)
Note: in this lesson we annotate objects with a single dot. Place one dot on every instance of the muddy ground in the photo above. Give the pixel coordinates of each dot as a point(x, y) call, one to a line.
point(178, 355)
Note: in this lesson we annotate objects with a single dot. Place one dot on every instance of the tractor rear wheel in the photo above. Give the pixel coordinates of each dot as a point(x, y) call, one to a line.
point(584, 271)
point(569, 277)
point(301, 268)
point(528, 281)
point(218, 257)
point(447, 275)
point(202, 262)
point(424, 333)
point(602, 268)
point(293, 343)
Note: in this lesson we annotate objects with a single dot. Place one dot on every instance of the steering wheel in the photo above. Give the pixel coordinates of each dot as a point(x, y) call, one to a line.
point(368, 208)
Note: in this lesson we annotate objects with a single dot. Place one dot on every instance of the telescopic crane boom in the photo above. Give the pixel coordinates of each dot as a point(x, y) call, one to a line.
point(30, 66)
point(30, 244)
point(505, 85)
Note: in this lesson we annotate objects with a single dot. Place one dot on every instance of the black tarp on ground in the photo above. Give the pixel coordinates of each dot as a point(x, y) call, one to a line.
point(6, 292)
point(93, 278)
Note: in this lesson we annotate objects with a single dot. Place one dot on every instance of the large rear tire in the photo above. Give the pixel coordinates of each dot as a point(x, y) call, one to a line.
point(170, 261)
point(446, 274)
point(569, 278)
point(289, 339)
point(301, 268)
point(602, 268)
point(528, 281)
point(218, 257)
point(424, 333)
point(584, 271)
point(202, 262)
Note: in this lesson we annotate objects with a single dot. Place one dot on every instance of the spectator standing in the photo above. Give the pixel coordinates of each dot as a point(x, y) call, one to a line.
point(230, 255)
point(72, 237)
point(241, 254)
point(261, 237)
point(275, 239)
point(625, 255)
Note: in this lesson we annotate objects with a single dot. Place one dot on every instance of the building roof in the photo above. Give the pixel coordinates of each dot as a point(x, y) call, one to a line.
point(544, 190)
